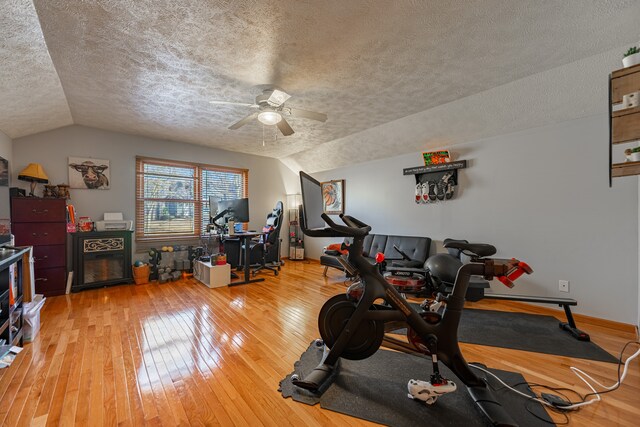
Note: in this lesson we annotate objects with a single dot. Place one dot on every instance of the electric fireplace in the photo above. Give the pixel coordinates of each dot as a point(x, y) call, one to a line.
point(101, 258)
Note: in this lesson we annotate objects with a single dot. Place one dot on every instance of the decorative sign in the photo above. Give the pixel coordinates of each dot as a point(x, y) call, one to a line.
point(436, 157)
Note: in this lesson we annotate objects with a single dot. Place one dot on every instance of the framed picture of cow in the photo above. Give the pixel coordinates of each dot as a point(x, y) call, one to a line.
point(92, 174)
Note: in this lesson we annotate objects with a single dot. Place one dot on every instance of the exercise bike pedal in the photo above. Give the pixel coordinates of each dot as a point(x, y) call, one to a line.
point(428, 392)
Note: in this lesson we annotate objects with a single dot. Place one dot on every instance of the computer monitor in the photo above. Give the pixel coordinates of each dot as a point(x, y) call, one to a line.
point(312, 202)
point(238, 209)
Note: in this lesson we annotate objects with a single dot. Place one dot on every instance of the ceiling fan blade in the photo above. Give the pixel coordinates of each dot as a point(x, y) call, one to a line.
point(244, 104)
point(243, 121)
point(284, 127)
point(278, 97)
point(295, 112)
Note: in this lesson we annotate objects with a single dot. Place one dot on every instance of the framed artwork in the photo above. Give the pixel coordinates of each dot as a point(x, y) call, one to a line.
point(4, 172)
point(92, 174)
point(333, 197)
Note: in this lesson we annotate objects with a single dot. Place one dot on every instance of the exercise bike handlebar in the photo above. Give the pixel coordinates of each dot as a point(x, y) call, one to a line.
point(354, 227)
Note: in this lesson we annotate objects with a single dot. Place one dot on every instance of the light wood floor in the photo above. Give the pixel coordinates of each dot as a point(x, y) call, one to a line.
point(182, 354)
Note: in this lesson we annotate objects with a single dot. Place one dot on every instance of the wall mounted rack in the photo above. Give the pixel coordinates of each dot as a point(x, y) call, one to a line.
point(435, 182)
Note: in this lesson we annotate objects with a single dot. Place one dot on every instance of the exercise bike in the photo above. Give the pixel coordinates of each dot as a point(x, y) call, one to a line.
point(352, 325)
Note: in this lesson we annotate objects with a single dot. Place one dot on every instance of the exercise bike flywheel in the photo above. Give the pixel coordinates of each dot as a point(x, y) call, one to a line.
point(333, 317)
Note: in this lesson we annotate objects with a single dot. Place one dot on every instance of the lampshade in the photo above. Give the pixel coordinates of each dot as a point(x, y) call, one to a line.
point(34, 174)
point(269, 117)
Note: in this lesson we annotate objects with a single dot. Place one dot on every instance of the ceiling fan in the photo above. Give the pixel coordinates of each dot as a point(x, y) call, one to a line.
point(271, 110)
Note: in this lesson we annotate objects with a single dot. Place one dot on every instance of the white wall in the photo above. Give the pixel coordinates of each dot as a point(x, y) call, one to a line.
point(540, 195)
point(269, 180)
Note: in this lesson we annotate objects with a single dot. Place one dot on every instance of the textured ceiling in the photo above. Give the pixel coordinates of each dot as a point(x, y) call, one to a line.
point(561, 94)
point(31, 96)
point(151, 66)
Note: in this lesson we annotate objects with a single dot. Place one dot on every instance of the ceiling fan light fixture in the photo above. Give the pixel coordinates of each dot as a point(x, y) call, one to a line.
point(269, 118)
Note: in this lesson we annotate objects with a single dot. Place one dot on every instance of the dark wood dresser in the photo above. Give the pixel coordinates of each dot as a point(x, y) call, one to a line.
point(42, 223)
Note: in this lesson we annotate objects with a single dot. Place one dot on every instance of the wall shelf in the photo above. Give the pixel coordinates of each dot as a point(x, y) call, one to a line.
point(625, 169)
point(460, 164)
point(624, 125)
point(437, 182)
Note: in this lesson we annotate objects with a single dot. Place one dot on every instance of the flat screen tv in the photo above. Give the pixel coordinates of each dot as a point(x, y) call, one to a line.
point(5, 207)
point(238, 209)
point(312, 202)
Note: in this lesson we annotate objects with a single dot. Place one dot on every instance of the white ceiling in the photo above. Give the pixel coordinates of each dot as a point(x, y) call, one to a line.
point(150, 67)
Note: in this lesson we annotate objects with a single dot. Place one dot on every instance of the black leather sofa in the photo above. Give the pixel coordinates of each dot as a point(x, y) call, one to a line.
point(417, 248)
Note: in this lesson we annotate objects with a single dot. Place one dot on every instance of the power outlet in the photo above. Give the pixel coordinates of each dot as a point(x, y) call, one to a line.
point(563, 285)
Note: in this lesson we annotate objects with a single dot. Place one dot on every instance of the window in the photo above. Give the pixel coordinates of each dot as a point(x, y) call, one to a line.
point(172, 198)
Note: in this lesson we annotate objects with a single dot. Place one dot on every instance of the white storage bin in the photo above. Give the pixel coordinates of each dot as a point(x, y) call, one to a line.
point(31, 317)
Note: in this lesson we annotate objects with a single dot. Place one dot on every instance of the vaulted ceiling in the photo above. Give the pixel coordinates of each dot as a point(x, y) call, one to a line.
point(150, 67)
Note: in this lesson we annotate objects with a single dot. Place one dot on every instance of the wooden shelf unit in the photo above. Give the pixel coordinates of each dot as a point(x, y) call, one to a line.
point(624, 125)
point(12, 269)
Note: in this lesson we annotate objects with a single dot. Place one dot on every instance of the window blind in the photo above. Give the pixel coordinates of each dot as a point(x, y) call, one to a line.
point(172, 197)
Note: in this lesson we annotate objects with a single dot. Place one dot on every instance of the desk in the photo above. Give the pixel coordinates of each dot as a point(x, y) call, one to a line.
point(245, 241)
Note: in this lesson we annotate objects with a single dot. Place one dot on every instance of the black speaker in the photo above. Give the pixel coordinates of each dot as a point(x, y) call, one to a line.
point(17, 192)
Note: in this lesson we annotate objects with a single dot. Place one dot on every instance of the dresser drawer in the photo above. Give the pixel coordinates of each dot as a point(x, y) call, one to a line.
point(50, 256)
point(34, 234)
point(32, 209)
point(50, 281)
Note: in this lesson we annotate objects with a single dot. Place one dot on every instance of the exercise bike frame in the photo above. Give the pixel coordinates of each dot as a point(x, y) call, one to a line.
point(445, 330)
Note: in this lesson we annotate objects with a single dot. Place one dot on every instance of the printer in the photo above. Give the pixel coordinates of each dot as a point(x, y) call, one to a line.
point(113, 221)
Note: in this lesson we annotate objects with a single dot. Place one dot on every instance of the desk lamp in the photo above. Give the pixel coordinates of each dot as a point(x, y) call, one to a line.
point(34, 173)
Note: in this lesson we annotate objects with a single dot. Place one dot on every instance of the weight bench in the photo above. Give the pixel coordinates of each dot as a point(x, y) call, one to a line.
point(565, 303)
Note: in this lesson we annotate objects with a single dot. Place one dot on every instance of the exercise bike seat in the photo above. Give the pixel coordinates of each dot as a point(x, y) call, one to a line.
point(477, 249)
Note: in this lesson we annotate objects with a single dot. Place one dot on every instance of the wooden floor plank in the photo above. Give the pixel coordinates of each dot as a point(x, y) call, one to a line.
point(183, 354)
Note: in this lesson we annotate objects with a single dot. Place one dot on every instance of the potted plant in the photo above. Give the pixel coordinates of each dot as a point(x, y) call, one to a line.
point(632, 57)
point(632, 154)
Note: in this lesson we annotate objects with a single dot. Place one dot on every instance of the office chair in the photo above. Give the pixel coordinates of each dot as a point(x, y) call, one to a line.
point(266, 253)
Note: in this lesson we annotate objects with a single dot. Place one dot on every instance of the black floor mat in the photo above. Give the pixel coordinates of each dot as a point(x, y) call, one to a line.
point(375, 389)
point(523, 331)
point(528, 332)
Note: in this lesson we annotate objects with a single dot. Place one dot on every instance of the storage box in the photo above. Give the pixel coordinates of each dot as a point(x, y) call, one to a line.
point(212, 276)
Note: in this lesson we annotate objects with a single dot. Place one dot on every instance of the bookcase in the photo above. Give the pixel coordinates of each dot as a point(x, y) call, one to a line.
point(11, 294)
point(296, 238)
point(624, 123)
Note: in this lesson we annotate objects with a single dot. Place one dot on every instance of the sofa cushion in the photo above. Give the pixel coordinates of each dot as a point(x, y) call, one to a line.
point(377, 245)
point(417, 248)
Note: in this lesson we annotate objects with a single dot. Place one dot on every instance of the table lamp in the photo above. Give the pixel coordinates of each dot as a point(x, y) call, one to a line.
point(33, 174)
